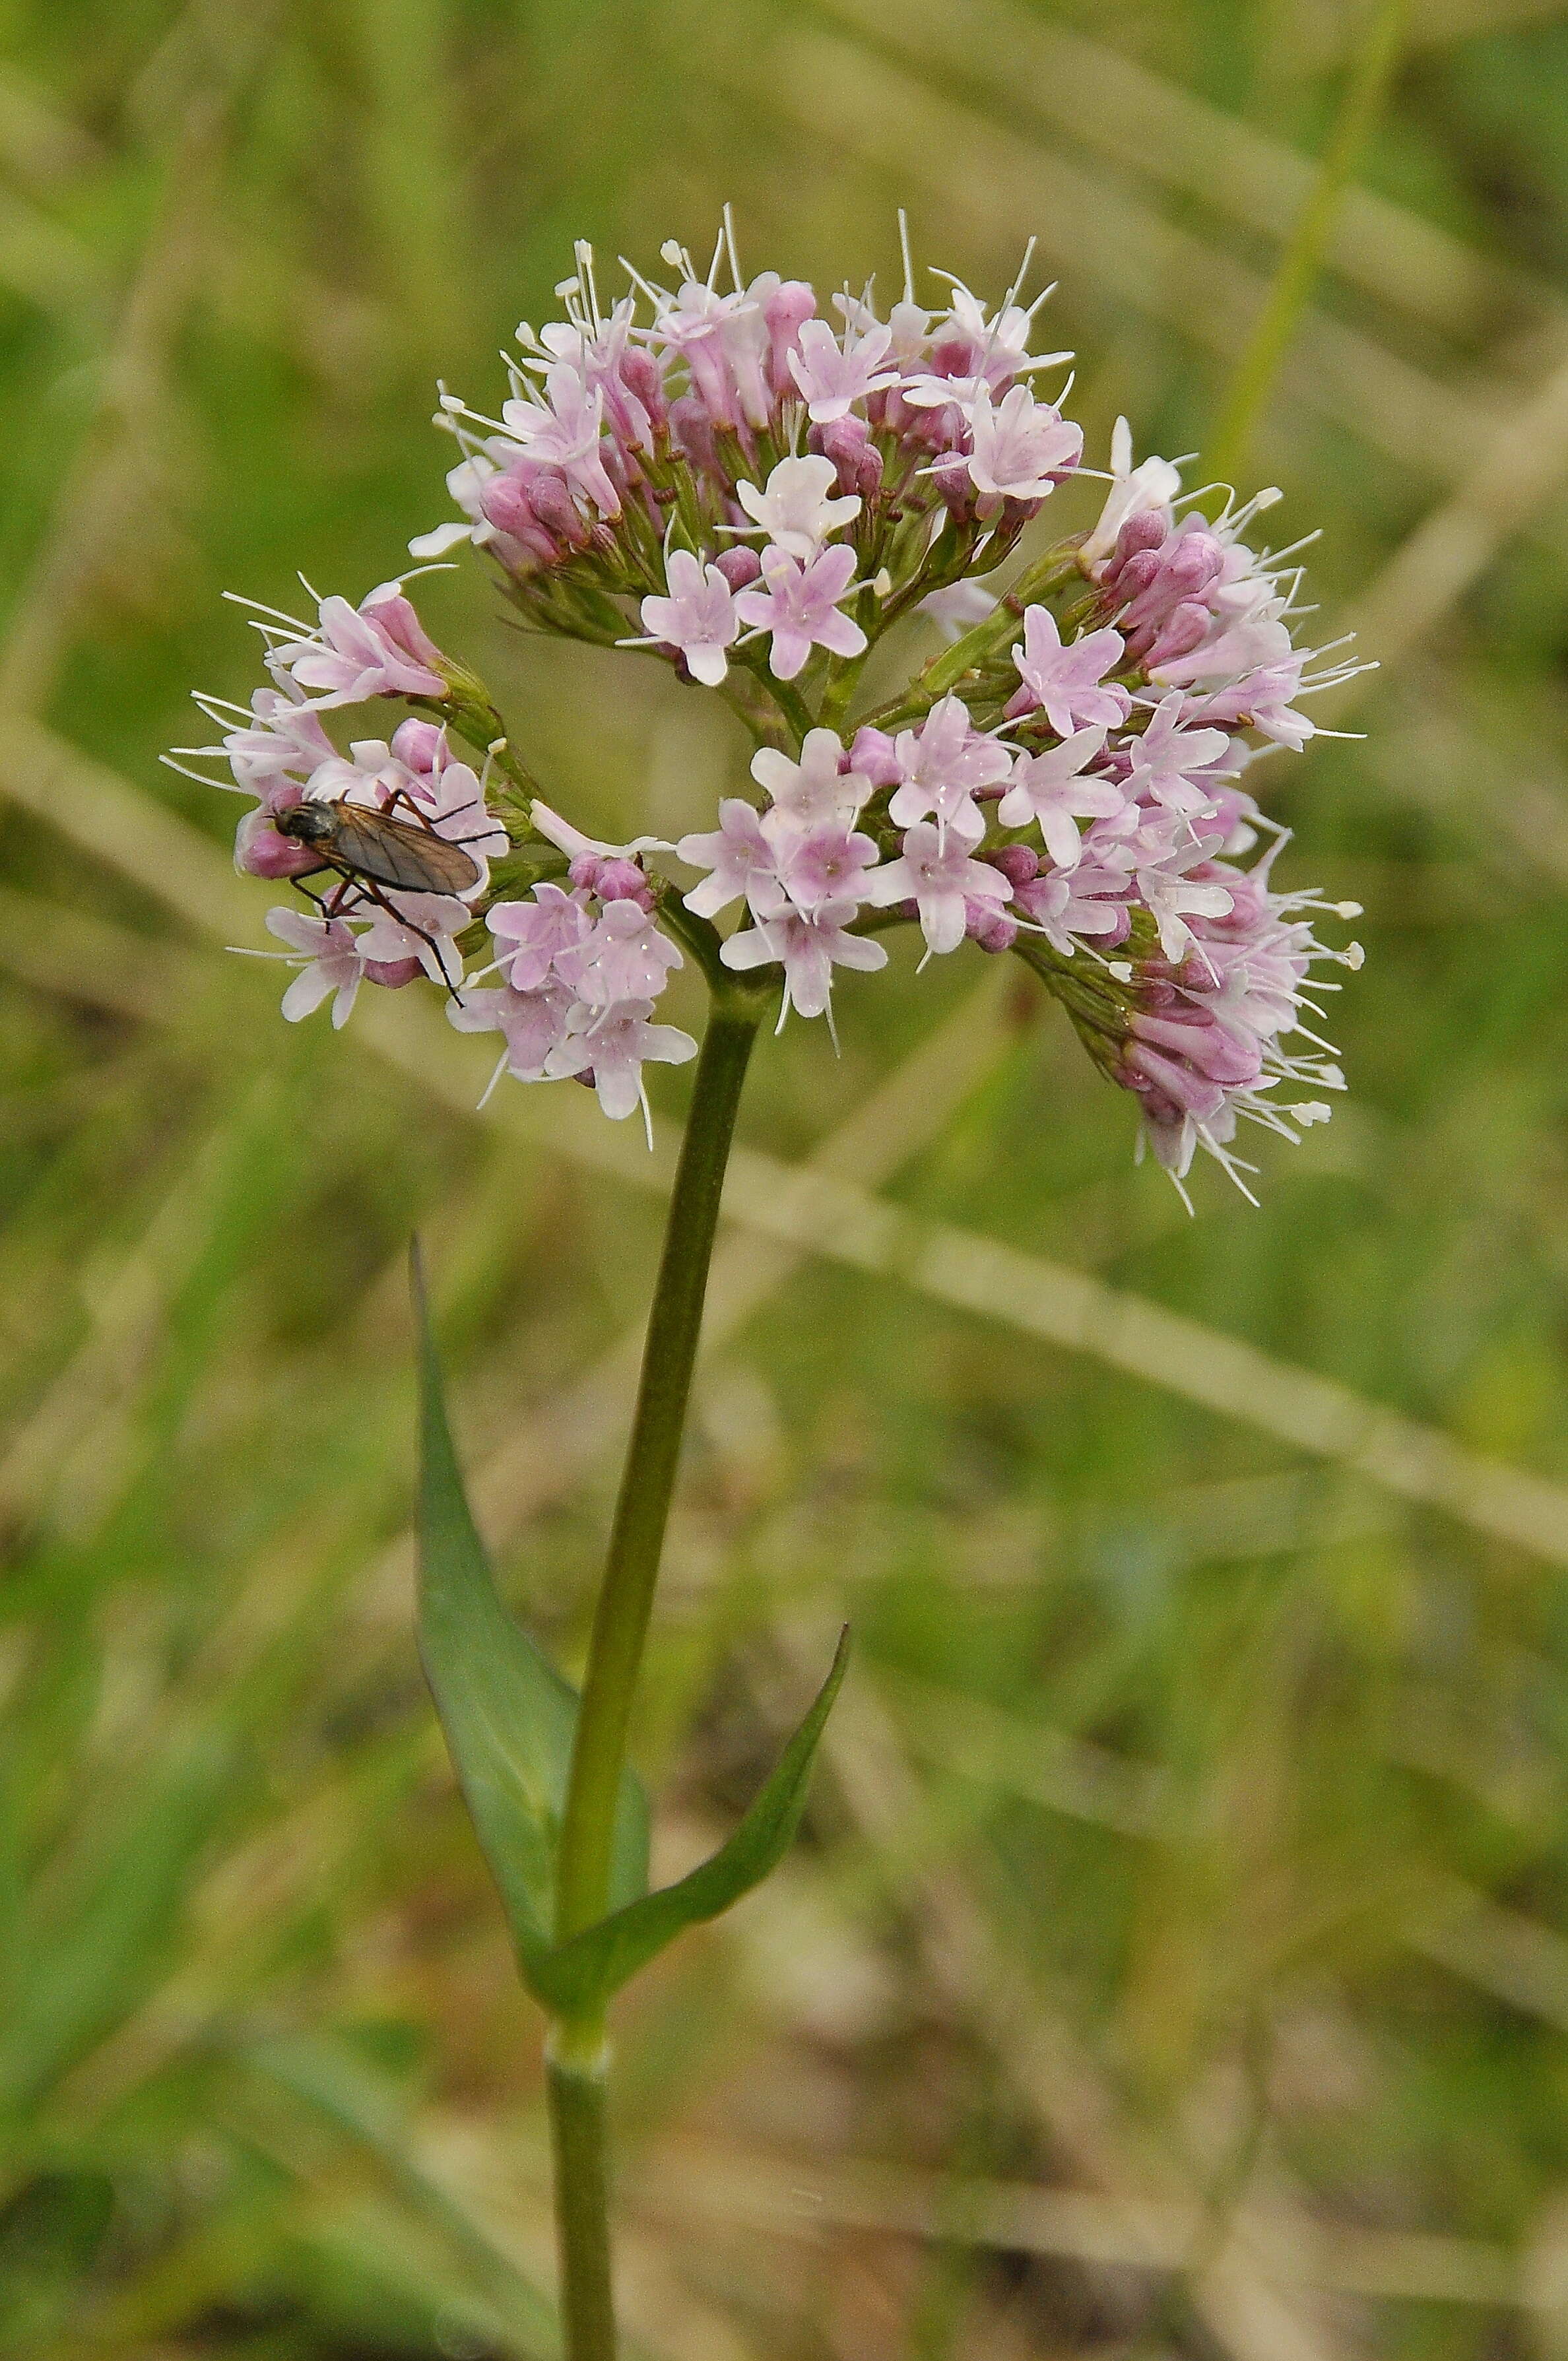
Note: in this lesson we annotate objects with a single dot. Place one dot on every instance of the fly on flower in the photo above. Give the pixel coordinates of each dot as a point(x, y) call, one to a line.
point(378, 849)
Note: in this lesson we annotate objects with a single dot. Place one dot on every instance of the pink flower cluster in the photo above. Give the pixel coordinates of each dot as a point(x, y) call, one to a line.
point(766, 487)
point(580, 968)
point(701, 462)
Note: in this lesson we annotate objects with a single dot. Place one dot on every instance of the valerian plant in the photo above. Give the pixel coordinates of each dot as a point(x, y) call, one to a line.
point(756, 489)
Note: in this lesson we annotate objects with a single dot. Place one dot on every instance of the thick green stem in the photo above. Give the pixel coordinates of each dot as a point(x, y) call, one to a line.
point(578, 2134)
point(637, 1536)
point(577, 2054)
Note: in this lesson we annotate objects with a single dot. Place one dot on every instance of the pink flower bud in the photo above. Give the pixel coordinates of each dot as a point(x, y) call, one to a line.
point(260, 851)
point(874, 756)
point(692, 427)
point(986, 925)
point(739, 565)
point(848, 443)
point(556, 510)
point(640, 376)
point(622, 880)
point(786, 310)
point(1143, 531)
point(1141, 571)
point(1016, 862)
point(1185, 627)
point(393, 974)
point(394, 615)
point(420, 744)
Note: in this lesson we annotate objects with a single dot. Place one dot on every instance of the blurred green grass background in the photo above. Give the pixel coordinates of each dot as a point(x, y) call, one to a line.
point(1177, 1958)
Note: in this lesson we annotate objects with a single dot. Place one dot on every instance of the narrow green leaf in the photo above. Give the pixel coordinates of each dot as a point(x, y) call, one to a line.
point(583, 1973)
point(508, 1715)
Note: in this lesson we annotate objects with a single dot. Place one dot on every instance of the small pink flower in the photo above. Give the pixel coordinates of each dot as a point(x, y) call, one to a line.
point(1052, 790)
point(529, 935)
point(740, 859)
point(614, 1048)
point(1066, 903)
point(808, 945)
point(937, 873)
point(331, 964)
point(1064, 682)
point(532, 1022)
point(625, 957)
point(822, 864)
point(799, 605)
point(564, 431)
point(817, 789)
point(945, 764)
point(418, 927)
point(376, 649)
point(1169, 754)
point(1020, 447)
point(699, 617)
point(833, 377)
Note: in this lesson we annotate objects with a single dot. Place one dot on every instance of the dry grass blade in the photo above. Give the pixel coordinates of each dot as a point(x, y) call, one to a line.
point(794, 2197)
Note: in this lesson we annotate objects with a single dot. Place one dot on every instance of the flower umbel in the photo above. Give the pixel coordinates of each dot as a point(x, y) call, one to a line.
point(756, 488)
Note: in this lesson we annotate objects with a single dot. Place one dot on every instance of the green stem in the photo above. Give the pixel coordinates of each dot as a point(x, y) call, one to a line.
point(576, 2056)
point(574, 2084)
point(637, 1535)
point(1303, 255)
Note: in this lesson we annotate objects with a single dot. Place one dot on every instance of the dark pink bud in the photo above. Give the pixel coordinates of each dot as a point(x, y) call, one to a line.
point(393, 974)
point(691, 426)
point(1185, 627)
point(1016, 862)
point(875, 758)
point(985, 925)
point(1143, 530)
point(556, 509)
point(1140, 572)
point(738, 565)
point(1213, 1050)
point(260, 851)
point(848, 443)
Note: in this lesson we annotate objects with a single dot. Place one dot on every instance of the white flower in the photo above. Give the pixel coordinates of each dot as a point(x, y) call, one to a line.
point(1154, 484)
point(796, 510)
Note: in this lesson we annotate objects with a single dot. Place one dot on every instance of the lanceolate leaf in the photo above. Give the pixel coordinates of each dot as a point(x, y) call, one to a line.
point(508, 1715)
point(582, 1974)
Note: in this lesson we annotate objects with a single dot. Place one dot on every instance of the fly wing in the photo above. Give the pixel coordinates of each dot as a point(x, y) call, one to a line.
point(401, 853)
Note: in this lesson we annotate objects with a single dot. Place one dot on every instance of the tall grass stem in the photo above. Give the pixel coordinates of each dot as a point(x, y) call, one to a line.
point(1364, 91)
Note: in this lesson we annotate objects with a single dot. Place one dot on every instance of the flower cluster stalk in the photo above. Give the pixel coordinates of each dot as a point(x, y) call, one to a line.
point(578, 2051)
